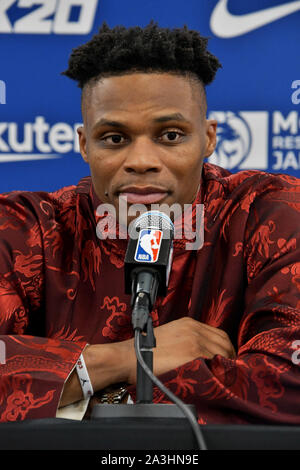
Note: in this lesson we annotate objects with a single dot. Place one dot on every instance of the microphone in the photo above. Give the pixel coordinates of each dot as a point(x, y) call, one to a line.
point(148, 263)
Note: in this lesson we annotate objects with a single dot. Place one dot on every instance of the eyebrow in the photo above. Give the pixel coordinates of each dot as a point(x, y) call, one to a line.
point(106, 122)
point(161, 119)
point(171, 117)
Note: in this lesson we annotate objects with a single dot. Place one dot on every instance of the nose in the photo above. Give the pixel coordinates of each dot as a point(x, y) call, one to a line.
point(142, 157)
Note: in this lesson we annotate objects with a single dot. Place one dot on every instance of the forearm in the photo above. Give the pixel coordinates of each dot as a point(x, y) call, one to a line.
point(258, 386)
point(106, 364)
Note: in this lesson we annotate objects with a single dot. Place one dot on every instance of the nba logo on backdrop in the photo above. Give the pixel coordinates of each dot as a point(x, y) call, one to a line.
point(242, 140)
point(148, 246)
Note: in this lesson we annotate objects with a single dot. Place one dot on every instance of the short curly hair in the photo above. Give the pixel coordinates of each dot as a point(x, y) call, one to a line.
point(121, 50)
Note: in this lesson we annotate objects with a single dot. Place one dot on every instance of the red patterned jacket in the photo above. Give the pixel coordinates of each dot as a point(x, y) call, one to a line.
point(61, 288)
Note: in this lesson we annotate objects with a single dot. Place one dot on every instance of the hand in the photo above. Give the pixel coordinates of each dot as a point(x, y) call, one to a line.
point(179, 342)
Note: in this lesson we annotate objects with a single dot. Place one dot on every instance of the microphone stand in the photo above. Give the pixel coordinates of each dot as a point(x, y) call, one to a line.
point(144, 291)
point(144, 387)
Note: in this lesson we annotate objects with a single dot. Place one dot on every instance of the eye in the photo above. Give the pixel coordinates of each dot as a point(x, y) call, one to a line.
point(113, 139)
point(171, 136)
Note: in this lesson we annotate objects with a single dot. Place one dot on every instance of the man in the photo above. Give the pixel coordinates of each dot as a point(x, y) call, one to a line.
point(226, 330)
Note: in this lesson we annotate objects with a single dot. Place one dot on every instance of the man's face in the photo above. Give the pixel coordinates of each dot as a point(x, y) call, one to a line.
point(145, 136)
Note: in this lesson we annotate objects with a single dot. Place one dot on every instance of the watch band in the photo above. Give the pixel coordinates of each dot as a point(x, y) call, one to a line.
point(113, 394)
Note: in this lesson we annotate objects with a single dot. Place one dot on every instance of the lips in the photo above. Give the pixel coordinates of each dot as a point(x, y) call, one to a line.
point(143, 195)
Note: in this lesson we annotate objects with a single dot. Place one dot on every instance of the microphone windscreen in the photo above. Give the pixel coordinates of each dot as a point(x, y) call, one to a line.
point(152, 219)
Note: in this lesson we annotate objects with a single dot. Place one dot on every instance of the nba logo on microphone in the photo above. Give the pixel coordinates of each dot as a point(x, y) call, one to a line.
point(148, 245)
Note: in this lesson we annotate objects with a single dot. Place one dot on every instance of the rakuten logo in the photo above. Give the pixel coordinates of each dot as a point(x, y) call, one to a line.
point(48, 16)
point(38, 140)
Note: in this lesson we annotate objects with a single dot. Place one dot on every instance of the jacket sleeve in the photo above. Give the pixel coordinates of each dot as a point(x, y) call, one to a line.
point(33, 368)
point(262, 384)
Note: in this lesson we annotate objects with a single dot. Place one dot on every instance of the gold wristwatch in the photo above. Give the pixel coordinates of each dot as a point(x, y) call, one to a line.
point(113, 394)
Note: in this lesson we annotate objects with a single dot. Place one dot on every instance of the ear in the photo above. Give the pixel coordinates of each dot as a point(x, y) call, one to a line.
point(82, 142)
point(211, 136)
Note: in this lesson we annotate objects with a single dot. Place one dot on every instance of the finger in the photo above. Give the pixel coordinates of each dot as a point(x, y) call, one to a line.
point(213, 333)
point(213, 329)
point(219, 336)
point(216, 344)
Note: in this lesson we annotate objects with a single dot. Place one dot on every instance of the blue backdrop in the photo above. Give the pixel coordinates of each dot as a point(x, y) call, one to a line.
point(255, 97)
